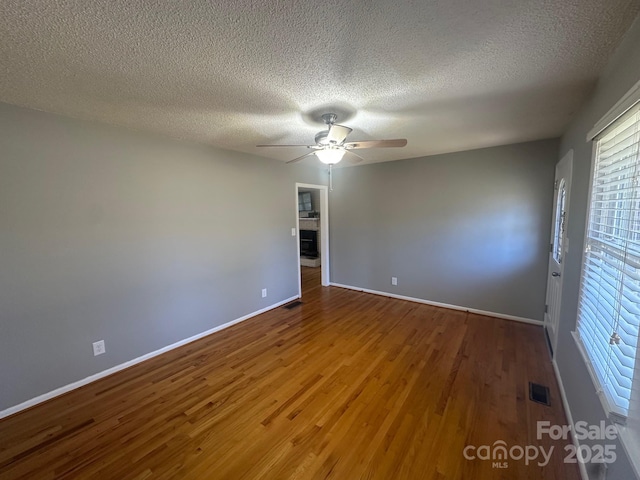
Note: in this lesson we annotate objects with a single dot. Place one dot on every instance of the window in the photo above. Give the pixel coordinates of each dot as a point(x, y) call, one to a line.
point(304, 202)
point(609, 304)
point(558, 230)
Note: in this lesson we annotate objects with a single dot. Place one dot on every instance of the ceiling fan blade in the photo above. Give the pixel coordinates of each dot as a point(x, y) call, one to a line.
point(353, 157)
point(337, 133)
point(301, 158)
point(306, 146)
point(398, 142)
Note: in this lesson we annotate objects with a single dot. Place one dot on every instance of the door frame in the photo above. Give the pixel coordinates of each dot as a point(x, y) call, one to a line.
point(325, 274)
point(553, 341)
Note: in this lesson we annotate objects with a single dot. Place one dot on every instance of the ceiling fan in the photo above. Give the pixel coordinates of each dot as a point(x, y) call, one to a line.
point(330, 145)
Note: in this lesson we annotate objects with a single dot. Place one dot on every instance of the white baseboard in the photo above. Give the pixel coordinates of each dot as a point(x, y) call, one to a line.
point(443, 305)
point(567, 410)
point(105, 373)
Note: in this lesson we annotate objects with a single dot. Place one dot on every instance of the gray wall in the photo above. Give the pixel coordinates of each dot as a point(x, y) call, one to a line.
point(136, 239)
point(621, 74)
point(469, 229)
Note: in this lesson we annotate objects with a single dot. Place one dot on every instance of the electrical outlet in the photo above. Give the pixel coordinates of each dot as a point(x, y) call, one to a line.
point(293, 232)
point(264, 292)
point(98, 348)
point(394, 280)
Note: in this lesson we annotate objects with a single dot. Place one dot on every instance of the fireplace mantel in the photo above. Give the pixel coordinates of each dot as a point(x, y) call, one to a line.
point(309, 223)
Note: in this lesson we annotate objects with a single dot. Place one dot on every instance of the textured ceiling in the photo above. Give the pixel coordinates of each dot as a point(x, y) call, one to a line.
point(447, 75)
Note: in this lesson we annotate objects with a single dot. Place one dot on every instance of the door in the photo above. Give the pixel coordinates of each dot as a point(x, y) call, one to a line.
point(559, 246)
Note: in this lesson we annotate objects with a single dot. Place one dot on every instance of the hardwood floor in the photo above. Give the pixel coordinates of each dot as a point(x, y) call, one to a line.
point(346, 386)
point(311, 282)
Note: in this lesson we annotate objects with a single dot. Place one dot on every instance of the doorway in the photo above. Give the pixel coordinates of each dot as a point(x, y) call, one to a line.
point(559, 246)
point(312, 227)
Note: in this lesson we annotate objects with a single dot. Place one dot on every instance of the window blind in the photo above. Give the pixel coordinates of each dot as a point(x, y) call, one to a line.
point(609, 305)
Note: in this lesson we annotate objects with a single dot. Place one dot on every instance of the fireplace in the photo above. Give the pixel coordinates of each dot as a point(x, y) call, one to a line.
point(309, 243)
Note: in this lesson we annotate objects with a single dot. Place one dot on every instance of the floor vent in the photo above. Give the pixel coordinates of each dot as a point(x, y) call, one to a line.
point(292, 305)
point(539, 393)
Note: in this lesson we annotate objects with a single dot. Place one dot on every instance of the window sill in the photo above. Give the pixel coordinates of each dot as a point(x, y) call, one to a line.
point(628, 436)
point(630, 440)
point(613, 414)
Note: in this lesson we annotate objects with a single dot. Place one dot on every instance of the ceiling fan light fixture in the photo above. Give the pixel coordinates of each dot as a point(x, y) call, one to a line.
point(331, 155)
point(330, 144)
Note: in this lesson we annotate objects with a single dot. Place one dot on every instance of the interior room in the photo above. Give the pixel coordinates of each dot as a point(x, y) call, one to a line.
point(305, 240)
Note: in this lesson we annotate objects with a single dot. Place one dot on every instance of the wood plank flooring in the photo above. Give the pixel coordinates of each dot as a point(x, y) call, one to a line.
point(346, 386)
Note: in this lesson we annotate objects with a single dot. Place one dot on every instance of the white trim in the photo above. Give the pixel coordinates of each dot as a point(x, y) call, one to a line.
point(565, 403)
point(625, 103)
point(105, 373)
point(443, 305)
point(325, 273)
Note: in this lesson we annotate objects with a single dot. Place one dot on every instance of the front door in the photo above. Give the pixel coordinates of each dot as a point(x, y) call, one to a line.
point(559, 246)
